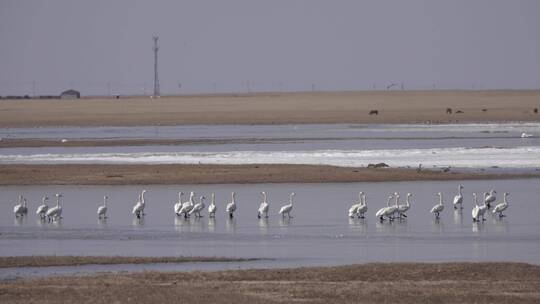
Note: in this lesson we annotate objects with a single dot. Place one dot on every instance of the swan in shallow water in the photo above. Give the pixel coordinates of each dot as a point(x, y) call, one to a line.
point(20, 209)
point(55, 212)
point(502, 206)
point(197, 208)
point(178, 204)
point(138, 208)
point(478, 211)
point(42, 209)
point(382, 212)
point(102, 210)
point(404, 207)
point(353, 210)
point(231, 207)
point(263, 207)
point(287, 208)
point(490, 198)
point(187, 206)
point(212, 208)
point(458, 199)
point(437, 209)
point(362, 209)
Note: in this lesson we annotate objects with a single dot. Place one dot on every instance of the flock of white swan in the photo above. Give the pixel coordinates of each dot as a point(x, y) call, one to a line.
point(193, 207)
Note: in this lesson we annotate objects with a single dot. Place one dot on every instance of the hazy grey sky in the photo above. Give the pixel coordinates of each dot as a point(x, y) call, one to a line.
point(275, 45)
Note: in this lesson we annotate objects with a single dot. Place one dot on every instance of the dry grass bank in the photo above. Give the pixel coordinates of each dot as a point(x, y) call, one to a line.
point(369, 283)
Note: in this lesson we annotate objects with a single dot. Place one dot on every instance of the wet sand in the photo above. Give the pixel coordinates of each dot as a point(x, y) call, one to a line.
point(368, 283)
point(44, 261)
point(71, 174)
point(277, 108)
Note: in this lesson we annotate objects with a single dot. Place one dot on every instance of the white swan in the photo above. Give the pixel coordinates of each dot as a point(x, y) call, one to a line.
point(187, 206)
point(404, 207)
point(42, 209)
point(20, 209)
point(353, 210)
point(381, 212)
point(138, 208)
point(478, 211)
point(212, 208)
point(502, 206)
point(526, 135)
point(391, 210)
point(490, 198)
point(287, 208)
point(458, 199)
point(263, 207)
point(102, 210)
point(197, 208)
point(363, 207)
point(231, 207)
point(437, 209)
point(178, 205)
point(55, 212)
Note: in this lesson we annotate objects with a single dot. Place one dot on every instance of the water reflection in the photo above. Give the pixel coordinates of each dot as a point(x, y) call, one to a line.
point(230, 225)
point(285, 221)
point(212, 224)
point(437, 226)
point(478, 227)
point(385, 227)
point(358, 225)
point(500, 224)
point(263, 225)
point(19, 221)
point(196, 224)
point(137, 222)
point(458, 217)
point(102, 222)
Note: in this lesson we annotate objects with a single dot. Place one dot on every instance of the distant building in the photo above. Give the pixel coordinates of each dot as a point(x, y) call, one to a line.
point(70, 94)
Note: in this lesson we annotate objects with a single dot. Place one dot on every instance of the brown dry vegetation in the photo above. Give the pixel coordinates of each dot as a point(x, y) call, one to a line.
point(369, 283)
point(276, 108)
point(40, 261)
point(71, 174)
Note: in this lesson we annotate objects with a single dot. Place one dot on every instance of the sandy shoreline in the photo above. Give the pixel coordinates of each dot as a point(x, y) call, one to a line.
point(366, 283)
point(220, 174)
point(277, 108)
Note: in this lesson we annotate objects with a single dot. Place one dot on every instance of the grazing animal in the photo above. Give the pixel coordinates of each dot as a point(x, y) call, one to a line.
point(231, 207)
point(404, 207)
point(535, 110)
point(287, 208)
point(459, 112)
point(138, 208)
point(178, 204)
point(502, 206)
point(437, 209)
point(490, 198)
point(20, 209)
point(187, 206)
point(448, 110)
point(484, 110)
point(382, 212)
point(353, 210)
point(478, 211)
point(55, 212)
point(263, 207)
point(458, 199)
point(102, 210)
point(374, 112)
point(42, 209)
point(362, 209)
point(212, 208)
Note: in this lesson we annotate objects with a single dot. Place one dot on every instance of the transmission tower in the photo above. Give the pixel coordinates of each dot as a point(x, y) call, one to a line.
point(156, 78)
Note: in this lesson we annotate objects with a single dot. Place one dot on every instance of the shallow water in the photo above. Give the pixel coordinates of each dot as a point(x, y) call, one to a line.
point(320, 233)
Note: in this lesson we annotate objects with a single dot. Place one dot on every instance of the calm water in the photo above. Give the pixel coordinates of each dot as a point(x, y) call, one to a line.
point(320, 233)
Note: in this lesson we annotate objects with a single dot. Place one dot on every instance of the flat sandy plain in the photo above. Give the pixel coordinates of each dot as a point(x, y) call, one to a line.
point(276, 108)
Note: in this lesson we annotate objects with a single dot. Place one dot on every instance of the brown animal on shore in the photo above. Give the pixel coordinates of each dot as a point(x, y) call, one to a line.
point(374, 112)
point(459, 112)
point(535, 110)
point(448, 110)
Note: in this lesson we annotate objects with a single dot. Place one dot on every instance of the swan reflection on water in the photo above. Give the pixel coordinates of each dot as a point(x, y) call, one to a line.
point(478, 227)
point(458, 217)
point(211, 224)
point(263, 225)
point(102, 222)
point(285, 221)
point(230, 225)
point(20, 221)
point(385, 227)
point(358, 224)
point(137, 222)
point(437, 226)
point(500, 224)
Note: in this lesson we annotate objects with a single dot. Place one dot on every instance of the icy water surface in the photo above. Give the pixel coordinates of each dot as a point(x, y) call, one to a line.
point(320, 233)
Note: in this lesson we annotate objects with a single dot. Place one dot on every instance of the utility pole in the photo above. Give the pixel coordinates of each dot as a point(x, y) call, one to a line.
point(156, 78)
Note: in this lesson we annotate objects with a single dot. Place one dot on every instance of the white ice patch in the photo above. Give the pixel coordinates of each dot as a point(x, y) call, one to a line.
point(518, 157)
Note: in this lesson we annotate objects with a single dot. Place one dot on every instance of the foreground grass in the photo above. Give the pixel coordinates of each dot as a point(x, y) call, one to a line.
point(41, 261)
point(389, 283)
